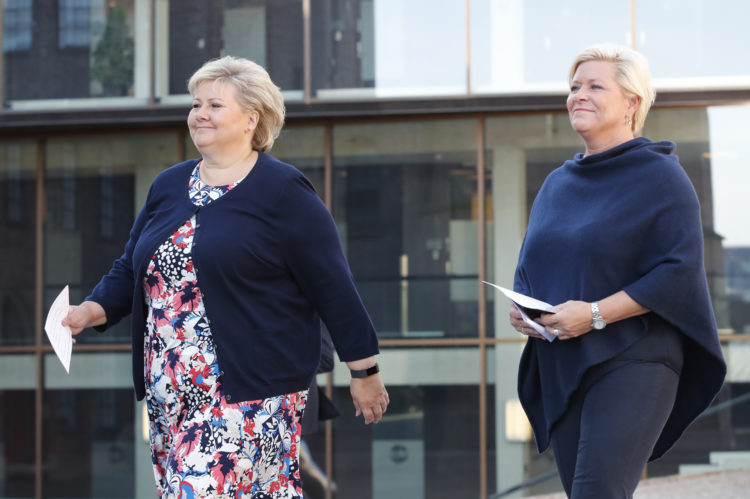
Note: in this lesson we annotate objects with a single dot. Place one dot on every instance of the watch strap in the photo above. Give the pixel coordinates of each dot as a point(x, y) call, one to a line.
point(363, 373)
point(597, 321)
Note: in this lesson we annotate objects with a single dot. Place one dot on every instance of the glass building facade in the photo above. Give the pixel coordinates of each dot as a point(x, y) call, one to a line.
point(427, 131)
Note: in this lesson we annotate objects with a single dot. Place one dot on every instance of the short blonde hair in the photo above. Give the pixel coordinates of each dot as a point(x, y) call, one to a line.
point(255, 92)
point(632, 73)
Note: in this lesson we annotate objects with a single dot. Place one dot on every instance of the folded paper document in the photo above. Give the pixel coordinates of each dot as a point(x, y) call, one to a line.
point(530, 309)
point(60, 336)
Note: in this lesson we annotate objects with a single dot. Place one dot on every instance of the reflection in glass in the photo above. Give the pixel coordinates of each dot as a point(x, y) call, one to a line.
point(89, 443)
point(88, 45)
point(376, 48)
point(427, 445)
point(404, 199)
point(300, 146)
point(17, 226)
point(528, 45)
point(729, 156)
point(706, 36)
point(519, 153)
point(304, 148)
point(94, 188)
point(17, 443)
point(267, 32)
point(17, 25)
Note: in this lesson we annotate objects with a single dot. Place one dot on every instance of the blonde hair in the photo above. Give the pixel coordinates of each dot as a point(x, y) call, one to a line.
point(632, 74)
point(255, 92)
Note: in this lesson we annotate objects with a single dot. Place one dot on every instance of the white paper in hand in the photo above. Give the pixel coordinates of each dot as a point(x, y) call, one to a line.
point(60, 336)
point(523, 303)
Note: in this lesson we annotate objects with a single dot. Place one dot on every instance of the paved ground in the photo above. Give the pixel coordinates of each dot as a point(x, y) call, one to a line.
point(733, 484)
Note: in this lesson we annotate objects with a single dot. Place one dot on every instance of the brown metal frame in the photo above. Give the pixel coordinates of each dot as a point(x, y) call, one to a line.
point(467, 13)
point(2, 60)
point(633, 43)
point(151, 57)
point(38, 314)
point(306, 56)
point(328, 199)
point(481, 215)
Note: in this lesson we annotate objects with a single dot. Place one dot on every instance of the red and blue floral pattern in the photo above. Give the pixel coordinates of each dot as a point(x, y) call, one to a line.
point(201, 444)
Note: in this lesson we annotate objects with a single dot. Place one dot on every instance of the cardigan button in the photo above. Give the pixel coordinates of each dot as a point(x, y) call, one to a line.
point(229, 397)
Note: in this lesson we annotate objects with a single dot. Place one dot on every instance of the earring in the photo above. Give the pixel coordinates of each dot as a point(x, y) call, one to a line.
point(630, 122)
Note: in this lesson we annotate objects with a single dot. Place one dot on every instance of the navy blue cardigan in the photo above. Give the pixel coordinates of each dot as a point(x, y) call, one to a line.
point(625, 219)
point(269, 265)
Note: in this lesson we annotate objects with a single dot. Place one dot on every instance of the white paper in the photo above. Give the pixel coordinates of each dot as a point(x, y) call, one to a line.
point(60, 336)
point(520, 301)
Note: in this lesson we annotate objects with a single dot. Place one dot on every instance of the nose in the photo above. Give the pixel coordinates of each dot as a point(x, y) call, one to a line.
point(200, 112)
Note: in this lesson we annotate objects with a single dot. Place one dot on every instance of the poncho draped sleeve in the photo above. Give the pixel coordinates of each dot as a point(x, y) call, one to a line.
point(625, 219)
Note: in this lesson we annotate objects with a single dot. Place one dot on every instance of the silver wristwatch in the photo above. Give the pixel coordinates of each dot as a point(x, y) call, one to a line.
point(598, 321)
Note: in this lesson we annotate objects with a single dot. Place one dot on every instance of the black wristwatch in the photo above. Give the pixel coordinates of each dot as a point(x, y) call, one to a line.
point(363, 373)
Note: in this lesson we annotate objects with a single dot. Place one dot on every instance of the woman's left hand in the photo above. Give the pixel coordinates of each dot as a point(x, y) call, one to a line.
point(570, 320)
point(370, 397)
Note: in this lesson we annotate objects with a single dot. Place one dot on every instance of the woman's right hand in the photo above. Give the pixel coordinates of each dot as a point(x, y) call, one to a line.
point(85, 315)
point(517, 322)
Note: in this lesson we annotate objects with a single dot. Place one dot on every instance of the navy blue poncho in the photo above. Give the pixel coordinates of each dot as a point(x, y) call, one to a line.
point(624, 219)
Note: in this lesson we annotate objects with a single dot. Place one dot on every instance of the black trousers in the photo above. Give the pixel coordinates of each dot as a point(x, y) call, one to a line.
point(603, 441)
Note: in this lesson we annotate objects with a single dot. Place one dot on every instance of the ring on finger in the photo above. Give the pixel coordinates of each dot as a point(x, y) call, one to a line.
point(556, 332)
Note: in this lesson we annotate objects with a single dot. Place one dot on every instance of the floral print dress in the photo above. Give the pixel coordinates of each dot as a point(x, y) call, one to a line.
point(201, 444)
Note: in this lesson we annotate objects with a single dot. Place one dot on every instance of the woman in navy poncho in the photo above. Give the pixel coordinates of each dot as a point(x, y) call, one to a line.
point(615, 240)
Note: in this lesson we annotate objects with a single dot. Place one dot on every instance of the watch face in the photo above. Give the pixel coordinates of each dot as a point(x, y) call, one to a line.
point(599, 324)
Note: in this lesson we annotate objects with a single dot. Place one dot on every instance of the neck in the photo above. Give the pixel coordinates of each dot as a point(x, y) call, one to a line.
point(595, 145)
point(225, 169)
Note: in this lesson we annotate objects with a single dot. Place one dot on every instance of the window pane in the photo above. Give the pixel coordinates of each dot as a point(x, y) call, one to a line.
point(17, 25)
point(386, 48)
point(268, 32)
point(17, 382)
point(729, 156)
point(16, 442)
point(519, 153)
point(694, 42)
point(89, 443)
point(94, 187)
point(301, 146)
point(84, 49)
point(528, 45)
point(18, 233)
point(304, 147)
point(404, 199)
point(512, 455)
point(714, 153)
point(427, 444)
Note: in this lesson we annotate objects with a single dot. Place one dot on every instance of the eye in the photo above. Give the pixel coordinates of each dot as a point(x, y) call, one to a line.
point(574, 88)
point(195, 105)
point(596, 87)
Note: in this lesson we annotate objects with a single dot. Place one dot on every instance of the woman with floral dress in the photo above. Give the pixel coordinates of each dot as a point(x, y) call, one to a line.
point(231, 264)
